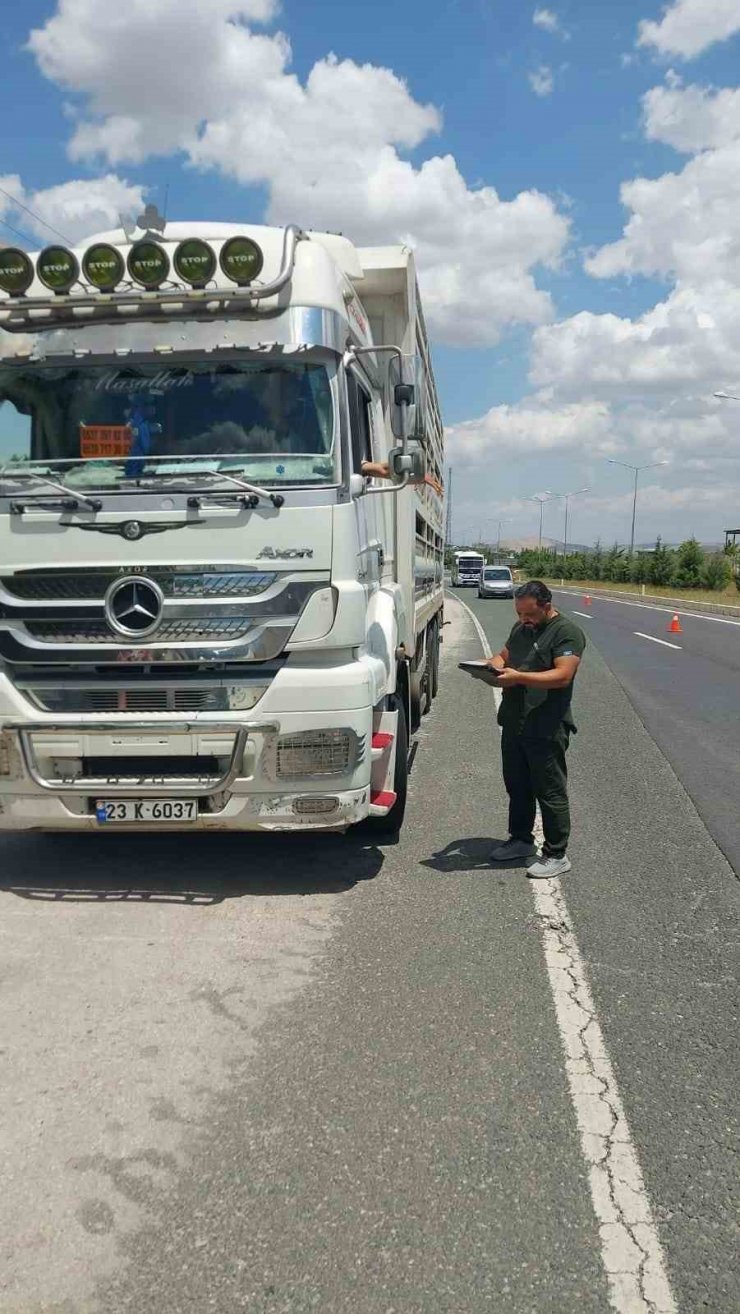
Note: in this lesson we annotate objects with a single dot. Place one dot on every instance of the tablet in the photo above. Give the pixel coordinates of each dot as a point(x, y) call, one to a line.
point(480, 670)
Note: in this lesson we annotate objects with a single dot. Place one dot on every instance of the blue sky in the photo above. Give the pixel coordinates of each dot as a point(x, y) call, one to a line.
point(497, 141)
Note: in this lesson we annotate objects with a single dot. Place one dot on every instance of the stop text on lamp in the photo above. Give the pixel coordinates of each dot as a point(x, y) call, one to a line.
point(58, 269)
point(194, 262)
point(148, 264)
point(103, 266)
point(16, 271)
point(241, 260)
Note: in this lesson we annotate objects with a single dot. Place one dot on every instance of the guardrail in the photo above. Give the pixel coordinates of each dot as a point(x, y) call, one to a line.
point(670, 604)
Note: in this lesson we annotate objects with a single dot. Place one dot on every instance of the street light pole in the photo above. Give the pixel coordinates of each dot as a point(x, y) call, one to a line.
point(636, 469)
point(536, 498)
point(567, 497)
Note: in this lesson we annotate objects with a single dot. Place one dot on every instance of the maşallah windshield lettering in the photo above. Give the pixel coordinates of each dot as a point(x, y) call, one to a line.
point(274, 421)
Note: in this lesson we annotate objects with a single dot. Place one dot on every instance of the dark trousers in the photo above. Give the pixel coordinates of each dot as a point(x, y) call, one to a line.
point(535, 771)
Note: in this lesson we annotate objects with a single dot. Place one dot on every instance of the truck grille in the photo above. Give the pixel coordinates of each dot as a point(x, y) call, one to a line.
point(176, 631)
point(191, 582)
point(204, 614)
point(129, 700)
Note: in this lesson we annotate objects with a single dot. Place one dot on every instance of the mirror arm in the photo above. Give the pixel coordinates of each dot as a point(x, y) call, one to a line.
point(353, 352)
point(389, 488)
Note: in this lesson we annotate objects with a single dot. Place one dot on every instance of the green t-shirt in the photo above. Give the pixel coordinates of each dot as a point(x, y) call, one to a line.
point(537, 713)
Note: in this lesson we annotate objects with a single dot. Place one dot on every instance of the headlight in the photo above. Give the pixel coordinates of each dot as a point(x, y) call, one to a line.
point(317, 753)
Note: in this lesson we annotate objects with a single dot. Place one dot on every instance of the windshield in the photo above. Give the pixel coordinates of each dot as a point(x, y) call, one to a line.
point(274, 422)
point(502, 573)
point(470, 563)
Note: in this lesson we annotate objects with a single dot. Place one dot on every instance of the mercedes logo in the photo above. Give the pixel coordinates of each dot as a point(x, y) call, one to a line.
point(133, 606)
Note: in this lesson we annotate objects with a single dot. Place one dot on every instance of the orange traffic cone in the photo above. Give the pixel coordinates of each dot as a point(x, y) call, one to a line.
point(586, 600)
point(675, 626)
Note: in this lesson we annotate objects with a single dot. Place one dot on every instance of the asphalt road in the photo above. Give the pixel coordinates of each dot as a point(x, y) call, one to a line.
point(687, 695)
point(290, 1075)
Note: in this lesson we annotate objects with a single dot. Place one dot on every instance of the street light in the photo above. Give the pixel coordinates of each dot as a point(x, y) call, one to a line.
point(637, 469)
point(547, 497)
point(576, 492)
point(726, 396)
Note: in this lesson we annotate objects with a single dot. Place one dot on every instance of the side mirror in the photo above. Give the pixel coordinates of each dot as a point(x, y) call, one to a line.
point(412, 462)
point(405, 392)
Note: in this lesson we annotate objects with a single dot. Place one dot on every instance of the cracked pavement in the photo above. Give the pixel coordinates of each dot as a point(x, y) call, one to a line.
point(283, 1076)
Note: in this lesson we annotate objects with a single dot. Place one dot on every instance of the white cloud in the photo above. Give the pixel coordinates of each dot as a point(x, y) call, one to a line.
point(684, 225)
point(532, 428)
point(75, 209)
point(548, 20)
point(689, 26)
point(692, 118)
point(541, 80)
point(327, 149)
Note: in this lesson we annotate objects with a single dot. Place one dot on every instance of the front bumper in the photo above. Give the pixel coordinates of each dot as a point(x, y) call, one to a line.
point(256, 812)
point(51, 776)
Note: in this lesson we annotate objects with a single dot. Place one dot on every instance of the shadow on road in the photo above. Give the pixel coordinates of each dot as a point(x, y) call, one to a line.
point(470, 855)
point(199, 870)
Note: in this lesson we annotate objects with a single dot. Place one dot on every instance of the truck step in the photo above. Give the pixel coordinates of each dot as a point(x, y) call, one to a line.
point(382, 802)
point(381, 742)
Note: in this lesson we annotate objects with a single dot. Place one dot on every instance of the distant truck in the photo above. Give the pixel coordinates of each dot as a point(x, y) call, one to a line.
point(467, 569)
point(210, 617)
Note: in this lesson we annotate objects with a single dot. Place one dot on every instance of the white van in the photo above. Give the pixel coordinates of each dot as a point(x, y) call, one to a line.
point(496, 582)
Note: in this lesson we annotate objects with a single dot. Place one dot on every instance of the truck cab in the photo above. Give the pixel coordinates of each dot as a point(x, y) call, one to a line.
point(210, 617)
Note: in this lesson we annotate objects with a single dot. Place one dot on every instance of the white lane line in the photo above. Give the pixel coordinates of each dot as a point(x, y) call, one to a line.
point(653, 639)
point(630, 1246)
point(585, 614)
point(648, 606)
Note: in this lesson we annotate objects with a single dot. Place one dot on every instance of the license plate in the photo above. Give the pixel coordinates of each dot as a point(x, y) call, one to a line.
point(146, 809)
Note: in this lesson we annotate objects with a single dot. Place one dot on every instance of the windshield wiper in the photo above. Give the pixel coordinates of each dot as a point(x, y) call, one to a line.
point(72, 500)
point(254, 491)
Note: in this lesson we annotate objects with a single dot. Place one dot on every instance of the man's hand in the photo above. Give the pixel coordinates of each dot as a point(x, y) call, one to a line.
point(495, 663)
point(508, 678)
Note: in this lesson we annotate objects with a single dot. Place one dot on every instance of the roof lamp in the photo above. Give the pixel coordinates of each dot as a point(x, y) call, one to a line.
point(195, 262)
point(148, 264)
point(103, 266)
point(241, 260)
point(16, 271)
point(57, 269)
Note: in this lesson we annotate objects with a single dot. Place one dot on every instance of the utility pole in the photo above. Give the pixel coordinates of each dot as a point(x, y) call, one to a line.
point(636, 470)
point(547, 497)
point(567, 497)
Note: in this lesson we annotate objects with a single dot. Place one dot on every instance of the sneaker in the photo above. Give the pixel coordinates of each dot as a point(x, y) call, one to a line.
point(512, 850)
point(545, 868)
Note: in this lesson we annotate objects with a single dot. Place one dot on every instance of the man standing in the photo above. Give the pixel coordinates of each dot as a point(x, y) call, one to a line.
point(537, 665)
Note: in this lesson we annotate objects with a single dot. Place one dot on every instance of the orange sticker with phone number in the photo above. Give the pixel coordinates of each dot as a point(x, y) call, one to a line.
point(101, 440)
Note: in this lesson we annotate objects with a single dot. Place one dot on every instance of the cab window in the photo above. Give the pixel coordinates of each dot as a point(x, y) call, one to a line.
point(360, 423)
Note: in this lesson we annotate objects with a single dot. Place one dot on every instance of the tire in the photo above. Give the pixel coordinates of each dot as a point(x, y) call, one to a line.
point(426, 681)
point(416, 689)
point(435, 664)
point(391, 824)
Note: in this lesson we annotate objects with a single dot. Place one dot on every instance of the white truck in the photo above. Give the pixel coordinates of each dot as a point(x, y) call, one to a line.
point(467, 569)
point(210, 617)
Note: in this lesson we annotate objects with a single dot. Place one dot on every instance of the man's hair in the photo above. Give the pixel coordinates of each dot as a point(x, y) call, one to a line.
point(534, 588)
